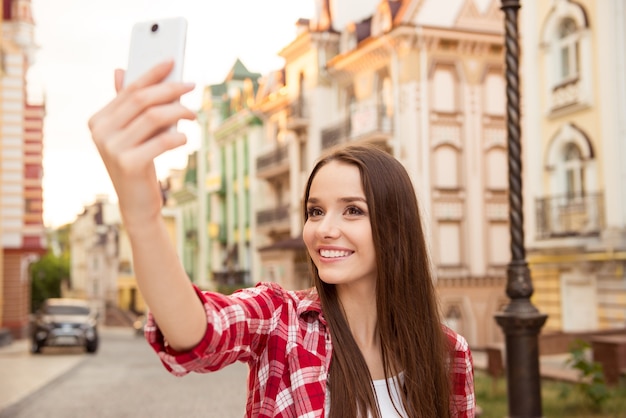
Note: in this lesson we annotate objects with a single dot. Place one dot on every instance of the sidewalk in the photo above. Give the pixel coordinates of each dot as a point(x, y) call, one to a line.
point(550, 366)
point(24, 373)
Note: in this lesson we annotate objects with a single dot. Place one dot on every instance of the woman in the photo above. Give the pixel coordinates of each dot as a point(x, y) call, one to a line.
point(367, 340)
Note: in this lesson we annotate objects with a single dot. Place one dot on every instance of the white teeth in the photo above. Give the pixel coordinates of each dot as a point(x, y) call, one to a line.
point(334, 253)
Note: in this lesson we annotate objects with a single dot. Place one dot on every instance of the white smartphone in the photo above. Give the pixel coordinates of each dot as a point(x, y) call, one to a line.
point(155, 41)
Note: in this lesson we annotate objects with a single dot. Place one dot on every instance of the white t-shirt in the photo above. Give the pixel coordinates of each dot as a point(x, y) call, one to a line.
point(384, 400)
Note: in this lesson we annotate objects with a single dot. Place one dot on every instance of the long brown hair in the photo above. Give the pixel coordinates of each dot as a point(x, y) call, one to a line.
point(408, 322)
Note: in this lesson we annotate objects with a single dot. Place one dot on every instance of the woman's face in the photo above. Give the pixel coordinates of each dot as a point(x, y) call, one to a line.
point(338, 232)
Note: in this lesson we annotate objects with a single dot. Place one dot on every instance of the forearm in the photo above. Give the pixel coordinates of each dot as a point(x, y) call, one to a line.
point(166, 287)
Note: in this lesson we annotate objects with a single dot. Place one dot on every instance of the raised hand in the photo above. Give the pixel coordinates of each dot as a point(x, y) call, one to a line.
point(132, 130)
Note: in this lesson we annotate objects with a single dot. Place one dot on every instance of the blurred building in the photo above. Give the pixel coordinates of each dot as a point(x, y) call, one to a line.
point(21, 141)
point(423, 82)
point(95, 259)
point(182, 197)
point(574, 108)
point(226, 167)
point(428, 88)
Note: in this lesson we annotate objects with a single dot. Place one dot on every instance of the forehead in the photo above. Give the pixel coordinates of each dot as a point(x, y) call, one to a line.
point(337, 178)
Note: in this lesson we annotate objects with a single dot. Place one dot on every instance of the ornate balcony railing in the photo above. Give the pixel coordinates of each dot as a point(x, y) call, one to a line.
point(231, 278)
point(566, 94)
point(336, 134)
point(562, 216)
point(299, 109)
point(273, 158)
point(269, 216)
point(369, 122)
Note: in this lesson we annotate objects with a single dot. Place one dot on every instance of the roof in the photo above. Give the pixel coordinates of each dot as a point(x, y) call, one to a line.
point(240, 72)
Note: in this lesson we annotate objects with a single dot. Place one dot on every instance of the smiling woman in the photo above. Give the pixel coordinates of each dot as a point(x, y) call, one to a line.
point(366, 340)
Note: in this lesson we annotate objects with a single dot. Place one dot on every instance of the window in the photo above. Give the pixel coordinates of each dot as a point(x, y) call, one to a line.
point(446, 168)
point(570, 164)
point(495, 94)
point(497, 169)
point(574, 171)
point(569, 49)
point(449, 244)
point(444, 90)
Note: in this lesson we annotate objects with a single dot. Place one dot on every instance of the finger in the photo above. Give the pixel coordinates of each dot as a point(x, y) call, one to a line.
point(142, 100)
point(151, 122)
point(119, 79)
point(117, 115)
point(137, 158)
point(153, 76)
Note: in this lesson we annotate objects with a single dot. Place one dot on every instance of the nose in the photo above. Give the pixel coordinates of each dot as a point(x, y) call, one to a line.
point(328, 227)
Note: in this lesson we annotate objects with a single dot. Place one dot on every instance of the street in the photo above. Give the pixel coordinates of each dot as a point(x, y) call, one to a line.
point(126, 379)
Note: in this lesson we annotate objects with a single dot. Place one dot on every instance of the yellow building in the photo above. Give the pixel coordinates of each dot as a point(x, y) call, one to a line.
point(574, 144)
point(129, 297)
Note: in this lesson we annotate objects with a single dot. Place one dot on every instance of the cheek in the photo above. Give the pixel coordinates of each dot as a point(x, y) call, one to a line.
point(308, 235)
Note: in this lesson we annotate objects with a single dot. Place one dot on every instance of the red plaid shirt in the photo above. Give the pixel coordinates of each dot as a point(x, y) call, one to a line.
point(282, 336)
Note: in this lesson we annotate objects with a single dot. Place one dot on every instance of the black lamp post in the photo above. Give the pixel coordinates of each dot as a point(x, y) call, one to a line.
point(520, 320)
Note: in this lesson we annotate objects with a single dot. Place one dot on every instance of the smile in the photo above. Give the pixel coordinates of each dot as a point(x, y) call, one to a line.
point(334, 253)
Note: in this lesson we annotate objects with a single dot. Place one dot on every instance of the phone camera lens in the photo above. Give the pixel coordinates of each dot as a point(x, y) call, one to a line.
point(154, 28)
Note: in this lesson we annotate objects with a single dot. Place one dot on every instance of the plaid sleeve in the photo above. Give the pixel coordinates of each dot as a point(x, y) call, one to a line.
point(238, 328)
point(463, 401)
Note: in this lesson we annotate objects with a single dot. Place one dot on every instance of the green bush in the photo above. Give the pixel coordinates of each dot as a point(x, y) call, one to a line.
point(591, 384)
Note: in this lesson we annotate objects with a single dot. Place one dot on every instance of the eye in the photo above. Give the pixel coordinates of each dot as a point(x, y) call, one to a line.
point(313, 212)
point(353, 211)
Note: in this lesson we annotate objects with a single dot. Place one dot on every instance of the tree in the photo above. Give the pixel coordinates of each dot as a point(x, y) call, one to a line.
point(46, 275)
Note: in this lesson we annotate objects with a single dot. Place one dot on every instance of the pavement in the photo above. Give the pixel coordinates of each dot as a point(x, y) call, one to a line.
point(24, 373)
point(550, 366)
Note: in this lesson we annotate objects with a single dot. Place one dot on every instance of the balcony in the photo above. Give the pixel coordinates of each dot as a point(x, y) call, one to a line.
point(336, 134)
point(570, 216)
point(369, 124)
point(275, 218)
point(298, 116)
point(234, 278)
point(273, 163)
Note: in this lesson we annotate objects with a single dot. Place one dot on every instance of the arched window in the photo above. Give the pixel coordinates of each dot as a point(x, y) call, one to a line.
point(569, 49)
point(574, 171)
point(444, 90)
point(570, 163)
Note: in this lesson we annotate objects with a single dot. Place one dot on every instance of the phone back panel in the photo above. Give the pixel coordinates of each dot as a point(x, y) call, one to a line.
point(155, 41)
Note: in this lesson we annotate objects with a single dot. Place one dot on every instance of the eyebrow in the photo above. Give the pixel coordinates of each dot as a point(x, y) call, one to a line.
point(347, 199)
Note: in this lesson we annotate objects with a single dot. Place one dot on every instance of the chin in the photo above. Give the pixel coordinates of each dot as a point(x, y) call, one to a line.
point(329, 279)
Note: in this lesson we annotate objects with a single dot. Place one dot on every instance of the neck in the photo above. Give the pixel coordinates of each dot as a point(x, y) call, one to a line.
point(359, 308)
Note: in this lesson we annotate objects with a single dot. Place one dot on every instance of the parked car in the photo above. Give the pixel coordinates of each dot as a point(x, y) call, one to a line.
point(65, 322)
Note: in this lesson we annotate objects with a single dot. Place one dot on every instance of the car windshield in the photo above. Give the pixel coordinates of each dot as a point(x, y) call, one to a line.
point(66, 310)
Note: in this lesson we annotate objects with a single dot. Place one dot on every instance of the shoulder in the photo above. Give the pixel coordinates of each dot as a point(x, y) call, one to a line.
point(303, 301)
point(457, 341)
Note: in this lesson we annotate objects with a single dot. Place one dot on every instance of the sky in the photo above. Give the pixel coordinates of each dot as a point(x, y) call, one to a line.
point(81, 42)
